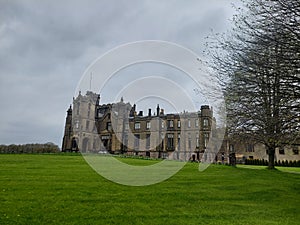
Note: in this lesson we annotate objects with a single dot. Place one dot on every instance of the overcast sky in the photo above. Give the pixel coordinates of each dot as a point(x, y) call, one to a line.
point(45, 46)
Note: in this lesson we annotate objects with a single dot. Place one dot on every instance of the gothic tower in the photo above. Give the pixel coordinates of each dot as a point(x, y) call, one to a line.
point(84, 130)
point(67, 139)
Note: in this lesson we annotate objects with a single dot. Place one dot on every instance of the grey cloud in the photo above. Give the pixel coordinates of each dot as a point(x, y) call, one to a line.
point(45, 46)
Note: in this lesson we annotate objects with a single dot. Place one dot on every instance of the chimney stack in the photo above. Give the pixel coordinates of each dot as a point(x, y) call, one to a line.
point(157, 110)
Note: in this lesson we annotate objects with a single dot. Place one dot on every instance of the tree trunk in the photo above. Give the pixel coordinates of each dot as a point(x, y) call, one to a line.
point(271, 153)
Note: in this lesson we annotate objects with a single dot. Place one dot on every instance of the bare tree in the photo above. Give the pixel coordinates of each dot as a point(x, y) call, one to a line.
point(258, 65)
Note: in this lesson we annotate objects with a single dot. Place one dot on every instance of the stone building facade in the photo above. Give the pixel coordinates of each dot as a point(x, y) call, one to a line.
point(250, 149)
point(118, 128)
point(80, 131)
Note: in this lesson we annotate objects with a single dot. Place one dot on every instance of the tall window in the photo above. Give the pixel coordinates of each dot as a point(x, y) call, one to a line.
point(189, 141)
point(250, 148)
point(136, 141)
point(205, 122)
point(178, 142)
point(78, 108)
point(77, 124)
point(178, 124)
point(162, 124)
point(89, 110)
point(162, 136)
point(126, 126)
point(148, 141)
point(87, 124)
point(197, 122)
point(171, 123)
point(108, 126)
point(189, 123)
point(137, 126)
point(125, 142)
point(148, 125)
point(94, 144)
point(206, 137)
point(197, 140)
point(170, 141)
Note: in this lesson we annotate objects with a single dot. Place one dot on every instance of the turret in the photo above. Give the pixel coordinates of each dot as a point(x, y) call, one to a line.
point(69, 111)
point(132, 111)
point(206, 111)
point(67, 139)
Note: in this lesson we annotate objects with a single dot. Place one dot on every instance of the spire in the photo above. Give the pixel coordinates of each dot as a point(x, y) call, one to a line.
point(70, 110)
point(98, 99)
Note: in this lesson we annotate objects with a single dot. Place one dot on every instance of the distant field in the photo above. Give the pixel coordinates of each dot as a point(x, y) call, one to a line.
point(63, 189)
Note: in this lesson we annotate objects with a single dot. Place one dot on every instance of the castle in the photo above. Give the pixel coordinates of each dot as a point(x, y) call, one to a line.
point(118, 128)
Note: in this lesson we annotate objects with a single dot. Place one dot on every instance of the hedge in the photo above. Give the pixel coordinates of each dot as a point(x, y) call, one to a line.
point(263, 162)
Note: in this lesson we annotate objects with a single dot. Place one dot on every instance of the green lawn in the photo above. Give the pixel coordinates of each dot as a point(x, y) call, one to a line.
point(63, 189)
point(280, 168)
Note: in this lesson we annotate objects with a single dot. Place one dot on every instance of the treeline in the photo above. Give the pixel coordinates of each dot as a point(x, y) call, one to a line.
point(29, 148)
point(263, 162)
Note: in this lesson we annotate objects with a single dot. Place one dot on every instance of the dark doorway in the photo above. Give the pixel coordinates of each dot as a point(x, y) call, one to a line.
point(74, 146)
point(85, 145)
point(148, 154)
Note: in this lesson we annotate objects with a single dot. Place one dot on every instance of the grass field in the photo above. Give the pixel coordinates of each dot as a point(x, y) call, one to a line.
point(63, 189)
point(280, 168)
